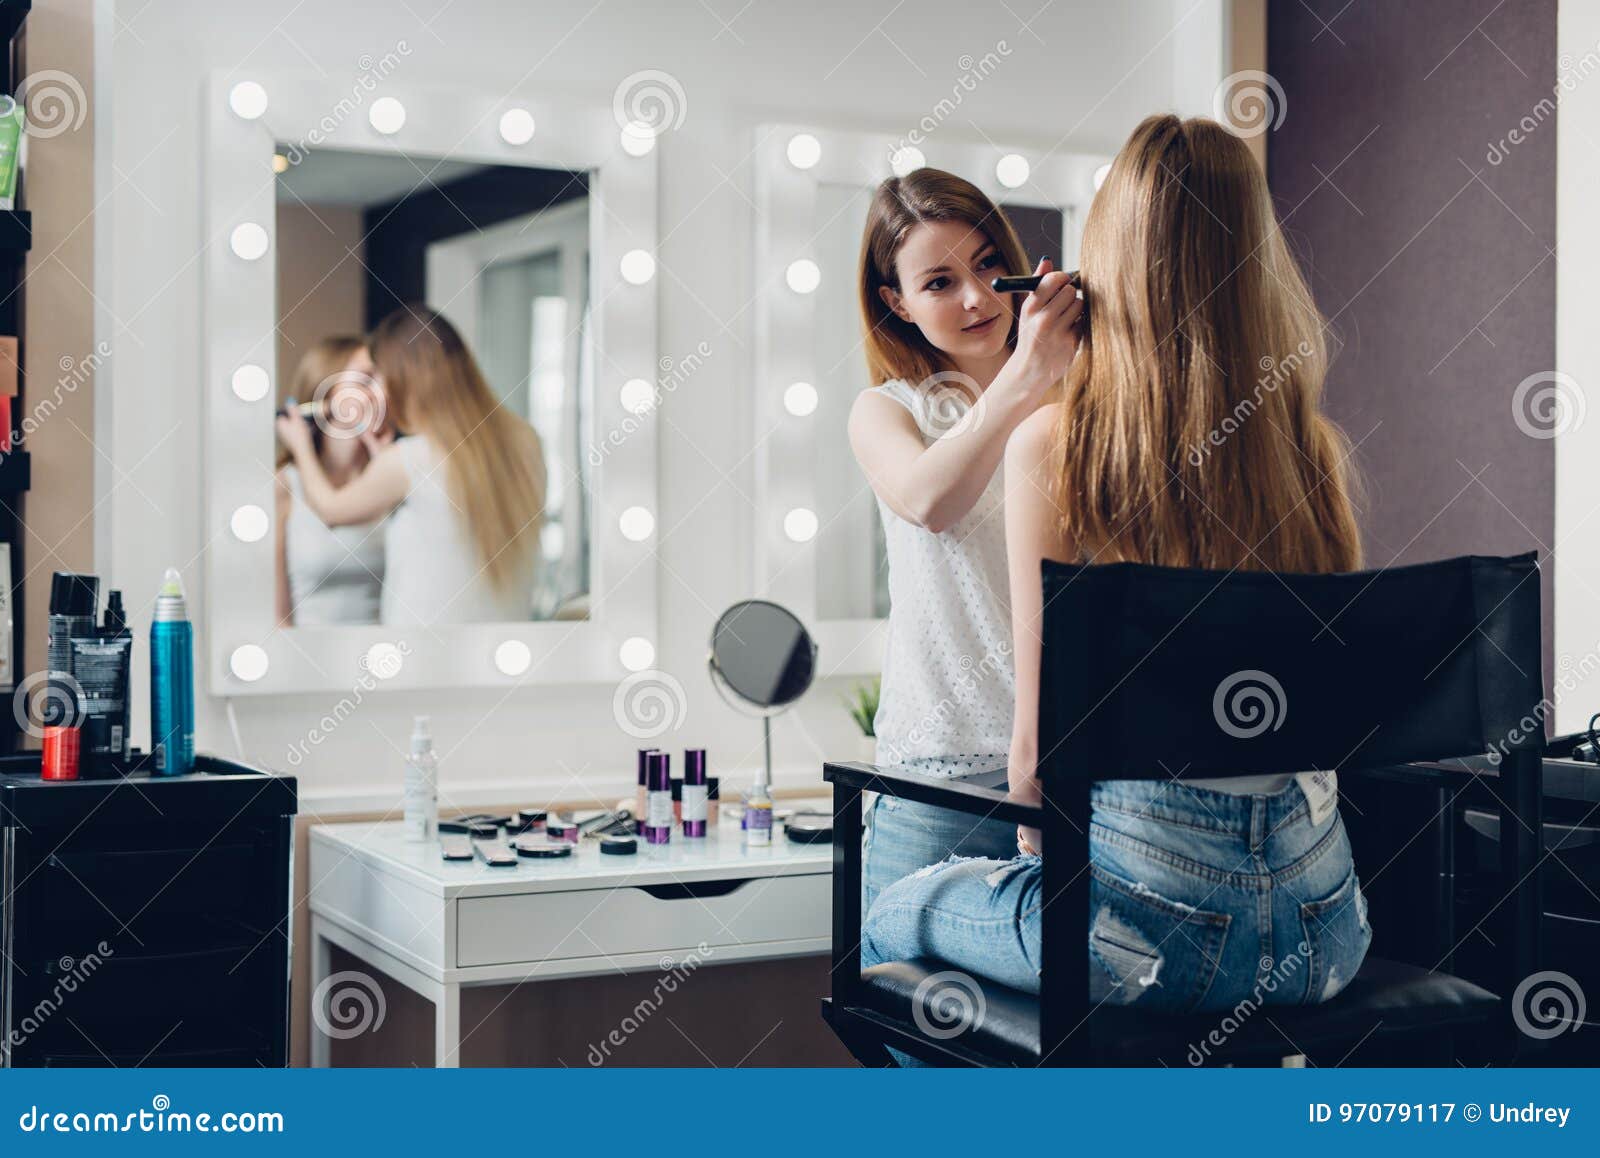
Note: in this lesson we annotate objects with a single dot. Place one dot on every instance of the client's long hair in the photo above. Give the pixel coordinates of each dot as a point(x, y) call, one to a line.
point(1191, 433)
point(494, 465)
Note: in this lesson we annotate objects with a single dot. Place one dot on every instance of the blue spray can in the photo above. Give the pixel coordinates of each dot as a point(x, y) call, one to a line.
point(172, 680)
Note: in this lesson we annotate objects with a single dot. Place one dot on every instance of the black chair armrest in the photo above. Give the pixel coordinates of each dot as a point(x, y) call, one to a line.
point(938, 791)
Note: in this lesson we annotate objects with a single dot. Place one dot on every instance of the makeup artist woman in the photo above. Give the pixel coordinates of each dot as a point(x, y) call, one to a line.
point(465, 485)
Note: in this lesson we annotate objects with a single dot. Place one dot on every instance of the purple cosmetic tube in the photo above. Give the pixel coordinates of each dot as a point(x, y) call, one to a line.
point(658, 799)
point(694, 793)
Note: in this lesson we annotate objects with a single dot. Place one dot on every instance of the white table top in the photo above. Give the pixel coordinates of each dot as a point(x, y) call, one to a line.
point(720, 856)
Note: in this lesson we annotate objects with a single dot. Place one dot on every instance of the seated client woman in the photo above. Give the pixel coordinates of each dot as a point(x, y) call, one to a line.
point(1201, 890)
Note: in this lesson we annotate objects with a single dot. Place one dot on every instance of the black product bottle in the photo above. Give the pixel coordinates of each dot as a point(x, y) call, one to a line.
point(115, 626)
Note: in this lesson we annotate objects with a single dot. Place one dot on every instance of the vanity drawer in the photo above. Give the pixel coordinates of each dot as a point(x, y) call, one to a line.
point(518, 927)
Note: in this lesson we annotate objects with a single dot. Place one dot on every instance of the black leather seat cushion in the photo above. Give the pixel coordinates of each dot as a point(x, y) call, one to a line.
point(1400, 997)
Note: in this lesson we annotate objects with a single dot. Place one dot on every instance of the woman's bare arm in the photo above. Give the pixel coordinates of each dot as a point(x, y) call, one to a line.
point(932, 487)
point(280, 539)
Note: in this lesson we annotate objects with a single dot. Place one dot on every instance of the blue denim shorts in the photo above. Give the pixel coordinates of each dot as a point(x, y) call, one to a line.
point(1199, 899)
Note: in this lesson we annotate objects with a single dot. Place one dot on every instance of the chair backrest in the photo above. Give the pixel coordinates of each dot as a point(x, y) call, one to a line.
point(1162, 671)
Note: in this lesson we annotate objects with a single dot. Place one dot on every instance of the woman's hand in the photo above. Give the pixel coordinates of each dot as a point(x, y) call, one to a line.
point(295, 434)
point(1048, 332)
point(1025, 838)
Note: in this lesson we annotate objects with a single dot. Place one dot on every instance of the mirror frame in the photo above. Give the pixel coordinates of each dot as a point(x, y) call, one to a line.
point(239, 328)
point(785, 450)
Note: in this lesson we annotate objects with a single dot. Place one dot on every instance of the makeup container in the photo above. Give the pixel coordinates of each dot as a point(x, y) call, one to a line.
point(694, 800)
point(561, 830)
point(658, 800)
point(540, 847)
point(59, 760)
point(532, 820)
point(713, 800)
point(618, 845)
point(677, 799)
point(639, 793)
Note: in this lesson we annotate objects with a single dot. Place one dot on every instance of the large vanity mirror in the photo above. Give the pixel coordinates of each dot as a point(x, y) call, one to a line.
point(519, 237)
point(502, 251)
point(820, 541)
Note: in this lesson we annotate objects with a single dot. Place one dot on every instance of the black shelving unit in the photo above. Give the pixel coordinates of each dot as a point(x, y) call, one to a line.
point(16, 238)
point(144, 920)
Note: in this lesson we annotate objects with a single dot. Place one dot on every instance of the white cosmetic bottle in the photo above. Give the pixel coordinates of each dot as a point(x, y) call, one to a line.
point(422, 785)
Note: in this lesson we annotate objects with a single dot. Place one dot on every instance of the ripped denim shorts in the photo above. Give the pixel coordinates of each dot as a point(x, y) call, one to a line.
point(1198, 900)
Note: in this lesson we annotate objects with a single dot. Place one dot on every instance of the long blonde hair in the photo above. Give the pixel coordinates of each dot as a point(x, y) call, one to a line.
point(1191, 433)
point(320, 363)
point(494, 465)
point(895, 347)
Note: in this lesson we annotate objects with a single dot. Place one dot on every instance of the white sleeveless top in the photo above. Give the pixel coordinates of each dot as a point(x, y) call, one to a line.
point(432, 572)
point(335, 573)
point(949, 682)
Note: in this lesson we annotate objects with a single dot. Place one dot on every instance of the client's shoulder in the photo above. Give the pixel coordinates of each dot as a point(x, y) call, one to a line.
point(1031, 441)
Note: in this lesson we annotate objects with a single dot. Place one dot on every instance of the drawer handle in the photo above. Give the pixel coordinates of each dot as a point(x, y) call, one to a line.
point(677, 891)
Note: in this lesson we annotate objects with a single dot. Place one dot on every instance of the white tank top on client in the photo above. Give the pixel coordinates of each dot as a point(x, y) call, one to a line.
point(335, 573)
point(949, 681)
point(432, 571)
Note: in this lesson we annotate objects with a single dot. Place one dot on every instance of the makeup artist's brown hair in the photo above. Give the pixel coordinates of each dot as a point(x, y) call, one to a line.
point(896, 348)
point(493, 462)
point(1191, 433)
point(321, 361)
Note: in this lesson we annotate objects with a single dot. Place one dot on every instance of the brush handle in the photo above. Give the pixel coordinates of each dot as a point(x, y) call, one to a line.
point(1026, 285)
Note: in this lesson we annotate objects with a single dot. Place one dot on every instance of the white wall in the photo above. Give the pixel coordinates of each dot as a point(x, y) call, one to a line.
point(874, 65)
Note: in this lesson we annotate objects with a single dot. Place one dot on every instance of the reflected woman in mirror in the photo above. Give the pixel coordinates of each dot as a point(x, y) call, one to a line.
point(330, 575)
point(1200, 314)
point(955, 368)
point(463, 488)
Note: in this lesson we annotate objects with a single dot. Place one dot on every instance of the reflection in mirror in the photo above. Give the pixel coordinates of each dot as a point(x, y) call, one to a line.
point(502, 253)
point(852, 566)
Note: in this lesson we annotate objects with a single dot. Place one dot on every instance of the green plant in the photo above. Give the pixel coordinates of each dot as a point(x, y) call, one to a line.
point(863, 705)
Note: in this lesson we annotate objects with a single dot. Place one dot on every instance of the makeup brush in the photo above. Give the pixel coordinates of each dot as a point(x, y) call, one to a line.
point(1026, 285)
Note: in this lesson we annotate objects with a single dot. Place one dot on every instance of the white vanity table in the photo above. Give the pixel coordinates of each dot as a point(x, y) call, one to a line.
point(436, 926)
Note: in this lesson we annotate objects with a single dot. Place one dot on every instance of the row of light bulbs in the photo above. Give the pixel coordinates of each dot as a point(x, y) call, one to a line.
point(1012, 170)
point(512, 657)
point(251, 383)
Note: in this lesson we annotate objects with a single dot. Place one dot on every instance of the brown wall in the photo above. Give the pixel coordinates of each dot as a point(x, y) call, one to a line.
point(59, 343)
point(1436, 267)
point(321, 290)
